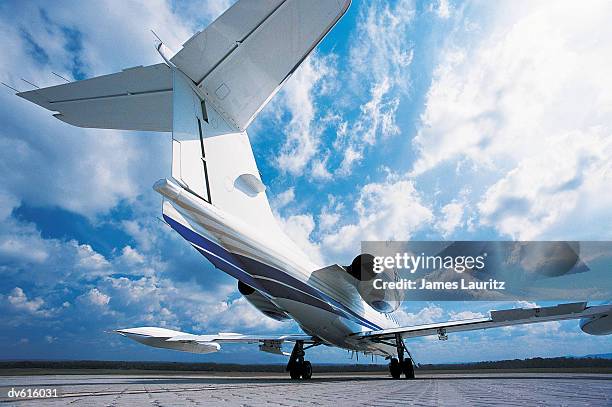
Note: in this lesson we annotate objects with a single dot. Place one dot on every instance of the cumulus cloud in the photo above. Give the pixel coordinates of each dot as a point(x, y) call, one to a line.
point(328, 220)
point(299, 228)
point(76, 169)
point(95, 297)
point(131, 256)
point(28, 258)
point(443, 9)
point(379, 56)
point(283, 199)
point(388, 210)
point(527, 107)
point(298, 98)
point(450, 219)
point(456, 316)
point(240, 313)
point(11, 247)
point(428, 314)
point(20, 302)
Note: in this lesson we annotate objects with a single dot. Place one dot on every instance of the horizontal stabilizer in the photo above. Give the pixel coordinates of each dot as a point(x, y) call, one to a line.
point(137, 98)
point(242, 59)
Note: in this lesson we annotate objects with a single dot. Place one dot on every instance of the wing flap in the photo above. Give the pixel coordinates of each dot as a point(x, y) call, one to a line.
point(137, 98)
point(518, 316)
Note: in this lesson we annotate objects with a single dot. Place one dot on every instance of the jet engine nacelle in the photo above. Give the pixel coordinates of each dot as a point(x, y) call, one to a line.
point(362, 269)
point(601, 325)
point(260, 302)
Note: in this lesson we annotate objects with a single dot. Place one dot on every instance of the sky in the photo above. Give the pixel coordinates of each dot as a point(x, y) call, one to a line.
point(424, 120)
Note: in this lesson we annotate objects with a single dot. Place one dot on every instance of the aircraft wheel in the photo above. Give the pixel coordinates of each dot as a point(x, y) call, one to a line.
point(306, 370)
point(296, 371)
point(408, 369)
point(395, 369)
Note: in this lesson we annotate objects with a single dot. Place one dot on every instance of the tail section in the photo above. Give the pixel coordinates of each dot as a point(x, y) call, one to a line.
point(189, 166)
point(215, 161)
point(207, 94)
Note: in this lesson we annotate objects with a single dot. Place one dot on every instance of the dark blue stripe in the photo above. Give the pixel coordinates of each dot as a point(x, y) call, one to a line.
point(234, 267)
point(259, 269)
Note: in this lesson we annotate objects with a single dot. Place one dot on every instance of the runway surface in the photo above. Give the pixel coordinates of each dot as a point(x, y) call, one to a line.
point(514, 389)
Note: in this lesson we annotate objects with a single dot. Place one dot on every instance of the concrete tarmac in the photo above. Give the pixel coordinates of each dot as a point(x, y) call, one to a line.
point(504, 389)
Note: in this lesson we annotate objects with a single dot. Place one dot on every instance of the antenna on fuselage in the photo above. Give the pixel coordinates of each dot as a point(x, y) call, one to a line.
point(163, 50)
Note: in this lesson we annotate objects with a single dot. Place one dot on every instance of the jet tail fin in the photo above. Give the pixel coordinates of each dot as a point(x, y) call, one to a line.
point(215, 161)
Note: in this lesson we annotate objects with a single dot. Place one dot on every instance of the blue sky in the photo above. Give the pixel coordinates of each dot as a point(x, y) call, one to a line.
point(413, 120)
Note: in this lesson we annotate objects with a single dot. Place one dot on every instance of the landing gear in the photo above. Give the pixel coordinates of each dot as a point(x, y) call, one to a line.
point(403, 365)
point(395, 369)
point(408, 368)
point(306, 370)
point(297, 366)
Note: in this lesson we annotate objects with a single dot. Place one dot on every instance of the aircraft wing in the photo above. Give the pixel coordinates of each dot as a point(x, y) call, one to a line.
point(508, 317)
point(186, 342)
point(242, 59)
point(138, 98)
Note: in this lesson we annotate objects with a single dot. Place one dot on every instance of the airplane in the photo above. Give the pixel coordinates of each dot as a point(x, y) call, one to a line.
point(207, 94)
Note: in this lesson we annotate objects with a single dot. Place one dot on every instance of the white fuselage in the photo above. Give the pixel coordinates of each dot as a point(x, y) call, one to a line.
point(269, 262)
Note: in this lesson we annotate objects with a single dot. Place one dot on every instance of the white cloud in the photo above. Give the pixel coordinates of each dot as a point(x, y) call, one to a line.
point(302, 132)
point(444, 9)
point(95, 297)
point(379, 56)
point(140, 231)
point(50, 339)
point(319, 169)
point(533, 330)
point(28, 258)
point(240, 313)
point(380, 50)
point(327, 220)
point(12, 247)
point(88, 259)
point(299, 228)
point(283, 199)
point(428, 314)
point(528, 107)
point(456, 316)
point(388, 210)
point(451, 219)
point(351, 155)
point(131, 256)
point(554, 194)
point(20, 302)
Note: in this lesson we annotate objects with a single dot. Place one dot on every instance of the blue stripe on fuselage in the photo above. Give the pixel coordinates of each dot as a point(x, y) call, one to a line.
point(226, 261)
